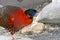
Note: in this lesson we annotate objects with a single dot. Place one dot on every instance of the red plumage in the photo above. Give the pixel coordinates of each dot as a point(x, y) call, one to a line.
point(20, 20)
point(15, 18)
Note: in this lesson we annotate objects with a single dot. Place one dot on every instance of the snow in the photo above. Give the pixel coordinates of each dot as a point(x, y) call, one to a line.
point(10, 38)
point(5, 37)
point(47, 34)
point(52, 35)
point(55, 0)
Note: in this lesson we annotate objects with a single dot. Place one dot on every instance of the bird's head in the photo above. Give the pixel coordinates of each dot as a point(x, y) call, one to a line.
point(31, 12)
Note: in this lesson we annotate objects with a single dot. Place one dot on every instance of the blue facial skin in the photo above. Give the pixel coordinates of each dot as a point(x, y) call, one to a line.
point(31, 12)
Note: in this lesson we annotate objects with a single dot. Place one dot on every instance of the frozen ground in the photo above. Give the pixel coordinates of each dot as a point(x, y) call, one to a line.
point(46, 35)
point(9, 38)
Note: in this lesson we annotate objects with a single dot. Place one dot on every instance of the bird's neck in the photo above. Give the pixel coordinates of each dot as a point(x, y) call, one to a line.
point(55, 0)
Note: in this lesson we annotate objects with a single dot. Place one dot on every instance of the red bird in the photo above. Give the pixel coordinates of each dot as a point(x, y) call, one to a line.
point(15, 18)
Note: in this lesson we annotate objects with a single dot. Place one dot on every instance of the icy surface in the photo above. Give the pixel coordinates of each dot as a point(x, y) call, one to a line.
point(46, 35)
point(10, 38)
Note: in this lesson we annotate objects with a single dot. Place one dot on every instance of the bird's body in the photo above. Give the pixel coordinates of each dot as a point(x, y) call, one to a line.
point(15, 18)
point(49, 14)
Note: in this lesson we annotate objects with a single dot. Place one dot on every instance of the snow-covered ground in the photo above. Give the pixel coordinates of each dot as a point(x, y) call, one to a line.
point(9, 38)
point(45, 35)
